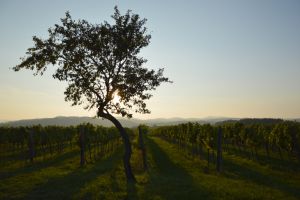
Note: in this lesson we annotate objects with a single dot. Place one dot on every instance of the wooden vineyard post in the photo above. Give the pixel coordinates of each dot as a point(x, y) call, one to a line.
point(142, 148)
point(219, 150)
point(82, 146)
point(208, 160)
point(31, 146)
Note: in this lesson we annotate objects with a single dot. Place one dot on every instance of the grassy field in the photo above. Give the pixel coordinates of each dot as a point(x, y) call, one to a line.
point(172, 174)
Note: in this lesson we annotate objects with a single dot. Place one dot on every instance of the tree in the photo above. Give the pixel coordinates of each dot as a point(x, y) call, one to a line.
point(99, 61)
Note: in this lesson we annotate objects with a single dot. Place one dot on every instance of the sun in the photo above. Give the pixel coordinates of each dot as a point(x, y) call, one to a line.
point(116, 98)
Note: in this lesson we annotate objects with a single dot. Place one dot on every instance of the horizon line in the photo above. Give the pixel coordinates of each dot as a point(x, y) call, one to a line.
point(135, 118)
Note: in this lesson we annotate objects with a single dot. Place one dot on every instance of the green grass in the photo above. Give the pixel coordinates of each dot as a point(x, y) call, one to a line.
point(172, 174)
point(241, 178)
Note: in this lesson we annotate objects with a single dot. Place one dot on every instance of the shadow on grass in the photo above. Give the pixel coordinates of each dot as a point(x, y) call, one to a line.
point(237, 171)
point(67, 186)
point(29, 168)
point(131, 191)
point(169, 180)
point(275, 162)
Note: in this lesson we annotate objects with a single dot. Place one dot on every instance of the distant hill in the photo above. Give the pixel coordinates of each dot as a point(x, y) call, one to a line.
point(250, 121)
point(69, 121)
point(171, 121)
point(261, 121)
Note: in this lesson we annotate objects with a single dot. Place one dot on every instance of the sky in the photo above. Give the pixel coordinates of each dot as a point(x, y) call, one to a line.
point(233, 58)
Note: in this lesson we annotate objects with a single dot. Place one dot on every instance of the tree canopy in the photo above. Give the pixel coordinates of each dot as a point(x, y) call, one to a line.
point(98, 61)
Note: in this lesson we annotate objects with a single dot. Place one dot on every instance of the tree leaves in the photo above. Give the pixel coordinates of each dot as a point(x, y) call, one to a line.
point(97, 60)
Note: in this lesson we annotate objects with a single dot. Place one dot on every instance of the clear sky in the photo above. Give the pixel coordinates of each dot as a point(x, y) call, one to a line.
point(226, 58)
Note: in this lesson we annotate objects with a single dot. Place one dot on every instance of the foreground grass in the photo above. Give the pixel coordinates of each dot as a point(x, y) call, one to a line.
point(62, 178)
point(172, 174)
point(241, 178)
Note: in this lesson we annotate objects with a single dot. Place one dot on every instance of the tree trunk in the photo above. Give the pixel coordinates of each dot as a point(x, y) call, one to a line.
point(126, 159)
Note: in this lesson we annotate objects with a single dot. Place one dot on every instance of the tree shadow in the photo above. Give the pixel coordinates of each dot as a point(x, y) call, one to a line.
point(169, 180)
point(29, 168)
point(69, 185)
point(131, 191)
point(238, 171)
point(274, 162)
